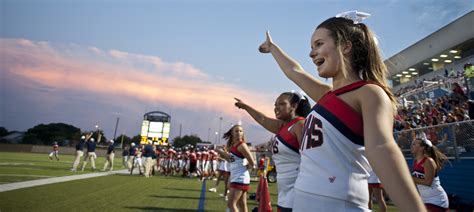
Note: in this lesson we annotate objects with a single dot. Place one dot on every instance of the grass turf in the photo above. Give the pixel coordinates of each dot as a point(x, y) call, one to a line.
point(16, 167)
point(109, 193)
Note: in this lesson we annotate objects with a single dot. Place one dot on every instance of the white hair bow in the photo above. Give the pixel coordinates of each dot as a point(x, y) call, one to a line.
point(427, 142)
point(353, 15)
point(300, 93)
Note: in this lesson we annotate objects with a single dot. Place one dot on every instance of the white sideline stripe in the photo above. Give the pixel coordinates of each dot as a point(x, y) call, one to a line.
point(15, 164)
point(24, 175)
point(32, 183)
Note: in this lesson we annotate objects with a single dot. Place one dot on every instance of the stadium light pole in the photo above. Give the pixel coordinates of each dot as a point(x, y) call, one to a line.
point(208, 134)
point(217, 135)
point(220, 126)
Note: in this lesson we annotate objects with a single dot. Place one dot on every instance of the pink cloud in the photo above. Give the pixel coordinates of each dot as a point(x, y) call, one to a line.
point(120, 75)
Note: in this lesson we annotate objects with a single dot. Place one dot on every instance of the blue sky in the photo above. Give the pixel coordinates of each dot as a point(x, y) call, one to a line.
point(87, 62)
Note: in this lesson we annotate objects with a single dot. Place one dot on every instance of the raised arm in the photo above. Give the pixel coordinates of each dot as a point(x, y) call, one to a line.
point(383, 153)
point(293, 70)
point(272, 125)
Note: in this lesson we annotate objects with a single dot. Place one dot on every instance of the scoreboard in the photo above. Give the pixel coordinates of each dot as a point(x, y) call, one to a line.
point(156, 128)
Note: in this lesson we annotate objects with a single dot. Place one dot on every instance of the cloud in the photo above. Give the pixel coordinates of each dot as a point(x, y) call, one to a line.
point(121, 79)
point(435, 14)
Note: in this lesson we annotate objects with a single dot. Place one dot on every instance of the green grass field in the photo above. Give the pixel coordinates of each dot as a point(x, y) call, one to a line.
point(16, 167)
point(109, 193)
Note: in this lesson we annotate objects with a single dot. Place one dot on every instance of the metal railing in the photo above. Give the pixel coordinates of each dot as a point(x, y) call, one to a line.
point(456, 140)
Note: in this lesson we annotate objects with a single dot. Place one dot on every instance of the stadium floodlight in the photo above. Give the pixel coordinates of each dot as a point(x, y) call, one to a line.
point(414, 73)
point(411, 69)
point(426, 64)
point(457, 57)
point(453, 51)
point(404, 72)
point(448, 61)
point(407, 76)
point(435, 59)
point(443, 55)
point(399, 75)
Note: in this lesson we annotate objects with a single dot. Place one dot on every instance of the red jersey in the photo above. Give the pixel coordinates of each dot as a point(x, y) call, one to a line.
point(171, 153)
point(157, 152)
point(198, 155)
point(205, 155)
point(193, 157)
point(261, 163)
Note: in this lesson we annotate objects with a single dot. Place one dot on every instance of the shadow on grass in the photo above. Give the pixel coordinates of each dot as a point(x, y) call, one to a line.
point(158, 208)
point(174, 197)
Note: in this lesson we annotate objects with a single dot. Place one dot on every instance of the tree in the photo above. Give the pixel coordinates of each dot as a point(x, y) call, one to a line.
point(135, 139)
point(46, 134)
point(126, 140)
point(187, 139)
point(3, 131)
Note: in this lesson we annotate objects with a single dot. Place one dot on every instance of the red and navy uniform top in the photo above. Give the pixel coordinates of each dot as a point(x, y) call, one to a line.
point(418, 169)
point(234, 150)
point(285, 137)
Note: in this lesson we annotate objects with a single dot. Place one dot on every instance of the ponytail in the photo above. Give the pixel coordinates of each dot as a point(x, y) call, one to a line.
point(373, 69)
point(439, 158)
point(433, 152)
point(302, 104)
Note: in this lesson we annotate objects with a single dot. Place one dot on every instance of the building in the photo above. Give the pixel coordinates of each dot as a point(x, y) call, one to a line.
point(430, 66)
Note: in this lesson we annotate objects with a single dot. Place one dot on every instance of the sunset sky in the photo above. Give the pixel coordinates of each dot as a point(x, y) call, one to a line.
point(89, 62)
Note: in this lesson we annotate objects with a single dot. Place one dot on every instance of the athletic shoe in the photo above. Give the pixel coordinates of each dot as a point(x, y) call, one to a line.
point(221, 195)
point(213, 190)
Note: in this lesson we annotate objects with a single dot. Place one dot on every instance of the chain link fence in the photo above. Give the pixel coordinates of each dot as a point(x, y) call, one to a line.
point(456, 140)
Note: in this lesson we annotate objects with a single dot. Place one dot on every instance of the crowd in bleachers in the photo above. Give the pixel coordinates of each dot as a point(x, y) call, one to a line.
point(429, 113)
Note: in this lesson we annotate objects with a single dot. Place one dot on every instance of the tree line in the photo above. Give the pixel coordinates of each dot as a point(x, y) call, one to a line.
point(69, 135)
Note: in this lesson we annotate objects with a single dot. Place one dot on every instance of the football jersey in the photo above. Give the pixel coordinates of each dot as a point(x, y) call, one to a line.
point(193, 157)
point(285, 149)
point(333, 161)
point(205, 156)
point(433, 194)
point(238, 166)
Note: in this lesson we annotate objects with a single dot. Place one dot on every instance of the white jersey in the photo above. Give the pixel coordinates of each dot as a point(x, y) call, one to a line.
point(224, 166)
point(333, 162)
point(285, 149)
point(238, 167)
point(433, 194)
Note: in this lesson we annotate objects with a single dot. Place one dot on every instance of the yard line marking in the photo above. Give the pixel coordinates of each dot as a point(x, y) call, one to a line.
point(24, 175)
point(202, 198)
point(15, 164)
point(32, 183)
